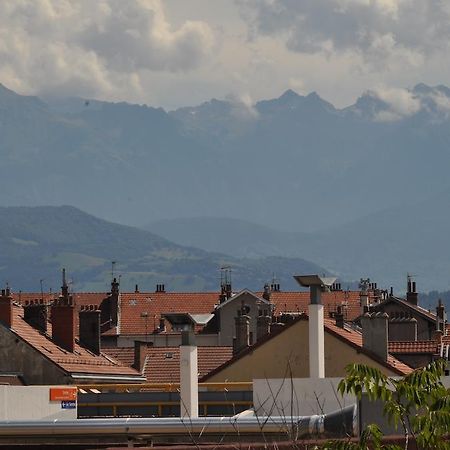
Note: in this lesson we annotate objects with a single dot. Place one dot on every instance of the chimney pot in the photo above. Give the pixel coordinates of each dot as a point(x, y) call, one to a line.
point(375, 333)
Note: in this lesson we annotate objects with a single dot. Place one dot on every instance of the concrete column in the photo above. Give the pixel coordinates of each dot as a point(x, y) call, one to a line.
point(316, 342)
point(188, 376)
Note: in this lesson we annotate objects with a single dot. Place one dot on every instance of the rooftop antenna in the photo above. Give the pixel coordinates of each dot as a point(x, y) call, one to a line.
point(41, 282)
point(113, 265)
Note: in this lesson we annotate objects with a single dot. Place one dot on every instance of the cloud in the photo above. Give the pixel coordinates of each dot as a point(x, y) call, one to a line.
point(399, 104)
point(375, 29)
point(242, 106)
point(98, 47)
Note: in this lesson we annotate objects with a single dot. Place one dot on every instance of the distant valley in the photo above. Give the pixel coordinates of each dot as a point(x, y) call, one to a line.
point(37, 242)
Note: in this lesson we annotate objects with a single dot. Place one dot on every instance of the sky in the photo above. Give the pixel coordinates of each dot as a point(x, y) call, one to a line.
point(174, 53)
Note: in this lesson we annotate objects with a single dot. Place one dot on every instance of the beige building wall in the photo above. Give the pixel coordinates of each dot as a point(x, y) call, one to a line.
point(228, 312)
point(286, 355)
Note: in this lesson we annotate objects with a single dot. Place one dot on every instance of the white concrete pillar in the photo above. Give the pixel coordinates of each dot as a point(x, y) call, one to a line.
point(188, 381)
point(316, 341)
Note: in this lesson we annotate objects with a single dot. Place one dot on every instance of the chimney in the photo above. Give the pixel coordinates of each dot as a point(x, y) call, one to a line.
point(339, 316)
point(316, 334)
point(411, 294)
point(35, 313)
point(140, 355)
point(63, 319)
point(89, 327)
point(188, 375)
point(266, 293)
point(160, 288)
point(375, 333)
point(437, 336)
point(242, 323)
point(441, 317)
point(364, 295)
point(316, 285)
point(6, 308)
point(262, 326)
point(136, 289)
point(110, 307)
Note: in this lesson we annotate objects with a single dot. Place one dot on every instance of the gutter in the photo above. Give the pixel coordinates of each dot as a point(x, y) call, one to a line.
point(110, 378)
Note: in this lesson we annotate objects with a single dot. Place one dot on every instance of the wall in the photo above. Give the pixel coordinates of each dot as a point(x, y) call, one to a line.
point(31, 403)
point(298, 396)
point(415, 360)
point(229, 311)
point(17, 356)
point(425, 328)
point(168, 340)
point(286, 354)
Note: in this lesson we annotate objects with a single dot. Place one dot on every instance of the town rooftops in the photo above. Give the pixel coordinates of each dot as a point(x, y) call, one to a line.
point(80, 363)
point(140, 311)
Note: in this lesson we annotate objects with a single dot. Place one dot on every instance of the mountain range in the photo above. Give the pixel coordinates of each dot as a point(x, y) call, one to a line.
point(358, 190)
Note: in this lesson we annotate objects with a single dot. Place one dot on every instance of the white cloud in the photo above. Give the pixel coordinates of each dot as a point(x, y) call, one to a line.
point(400, 103)
point(97, 47)
point(372, 28)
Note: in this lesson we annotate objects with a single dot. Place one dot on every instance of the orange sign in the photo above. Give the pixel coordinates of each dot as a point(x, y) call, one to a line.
point(57, 394)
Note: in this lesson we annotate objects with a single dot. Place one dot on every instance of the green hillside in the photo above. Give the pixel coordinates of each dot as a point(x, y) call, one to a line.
point(36, 242)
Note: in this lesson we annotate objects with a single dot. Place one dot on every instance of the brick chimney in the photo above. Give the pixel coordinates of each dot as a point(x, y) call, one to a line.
point(89, 327)
point(441, 317)
point(63, 319)
point(411, 295)
point(6, 308)
point(262, 326)
point(140, 354)
point(375, 333)
point(109, 307)
point(339, 317)
point(242, 323)
point(35, 313)
point(266, 293)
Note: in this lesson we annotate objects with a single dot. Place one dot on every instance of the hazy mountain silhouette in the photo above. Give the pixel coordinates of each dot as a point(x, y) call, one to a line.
point(384, 245)
point(37, 242)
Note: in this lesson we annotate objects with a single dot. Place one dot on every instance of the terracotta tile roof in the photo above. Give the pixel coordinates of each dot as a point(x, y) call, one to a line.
point(348, 335)
point(298, 302)
point(163, 363)
point(157, 303)
point(82, 361)
point(132, 305)
point(407, 347)
point(80, 298)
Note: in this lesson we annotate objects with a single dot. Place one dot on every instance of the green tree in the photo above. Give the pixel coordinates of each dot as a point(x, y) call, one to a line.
point(417, 404)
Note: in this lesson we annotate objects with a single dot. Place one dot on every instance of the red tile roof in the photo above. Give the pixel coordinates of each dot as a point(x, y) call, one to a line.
point(157, 303)
point(82, 361)
point(407, 347)
point(132, 305)
point(163, 363)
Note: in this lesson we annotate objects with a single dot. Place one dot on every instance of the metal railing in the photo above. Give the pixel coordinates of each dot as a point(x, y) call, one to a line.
point(161, 399)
